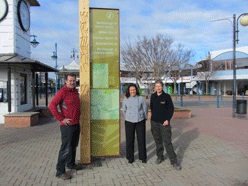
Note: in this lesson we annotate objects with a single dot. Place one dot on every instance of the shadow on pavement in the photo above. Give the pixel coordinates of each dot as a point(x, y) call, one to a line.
point(181, 139)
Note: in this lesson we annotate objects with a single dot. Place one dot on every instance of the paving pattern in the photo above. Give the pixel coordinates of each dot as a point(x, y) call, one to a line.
point(211, 146)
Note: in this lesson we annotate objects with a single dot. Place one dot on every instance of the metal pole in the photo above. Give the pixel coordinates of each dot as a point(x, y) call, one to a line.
point(179, 84)
point(56, 78)
point(181, 100)
point(46, 87)
point(191, 74)
point(9, 89)
point(217, 101)
point(37, 89)
point(33, 89)
point(234, 66)
point(198, 93)
point(178, 88)
point(40, 89)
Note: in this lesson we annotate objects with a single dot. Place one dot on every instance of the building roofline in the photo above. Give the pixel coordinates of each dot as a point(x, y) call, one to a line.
point(16, 59)
point(33, 3)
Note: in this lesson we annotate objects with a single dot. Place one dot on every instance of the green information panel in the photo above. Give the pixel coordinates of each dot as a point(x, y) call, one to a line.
point(100, 75)
point(103, 104)
point(105, 81)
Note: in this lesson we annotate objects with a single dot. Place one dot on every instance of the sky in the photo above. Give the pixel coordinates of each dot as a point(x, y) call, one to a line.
point(187, 22)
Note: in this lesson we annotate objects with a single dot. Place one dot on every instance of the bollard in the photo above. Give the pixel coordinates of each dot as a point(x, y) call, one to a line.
point(199, 97)
point(243, 95)
point(181, 101)
point(217, 101)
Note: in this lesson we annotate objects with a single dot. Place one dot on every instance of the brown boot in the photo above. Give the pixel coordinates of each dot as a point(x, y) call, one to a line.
point(64, 176)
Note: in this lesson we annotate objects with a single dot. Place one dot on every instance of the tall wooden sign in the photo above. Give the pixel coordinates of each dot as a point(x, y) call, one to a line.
point(84, 73)
point(99, 82)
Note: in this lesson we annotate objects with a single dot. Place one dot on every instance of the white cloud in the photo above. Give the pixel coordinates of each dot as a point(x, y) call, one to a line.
point(188, 22)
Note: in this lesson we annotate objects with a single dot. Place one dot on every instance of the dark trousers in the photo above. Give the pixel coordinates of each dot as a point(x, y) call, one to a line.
point(67, 154)
point(140, 129)
point(162, 137)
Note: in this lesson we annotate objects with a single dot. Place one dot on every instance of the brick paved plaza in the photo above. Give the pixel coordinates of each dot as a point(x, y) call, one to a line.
point(211, 146)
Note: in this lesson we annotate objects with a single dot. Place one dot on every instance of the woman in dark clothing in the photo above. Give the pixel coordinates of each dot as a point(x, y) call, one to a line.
point(162, 110)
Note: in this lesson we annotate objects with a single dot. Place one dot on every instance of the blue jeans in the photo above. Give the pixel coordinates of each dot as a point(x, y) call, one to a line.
point(67, 154)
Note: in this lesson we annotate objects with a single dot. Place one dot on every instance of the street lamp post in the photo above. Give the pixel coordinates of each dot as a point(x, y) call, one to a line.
point(74, 56)
point(243, 22)
point(234, 67)
point(55, 57)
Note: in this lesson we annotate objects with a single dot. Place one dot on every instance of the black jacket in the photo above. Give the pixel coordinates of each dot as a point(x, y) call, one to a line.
point(162, 107)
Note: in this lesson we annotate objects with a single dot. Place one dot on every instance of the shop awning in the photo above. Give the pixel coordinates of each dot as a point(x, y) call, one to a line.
point(16, 59)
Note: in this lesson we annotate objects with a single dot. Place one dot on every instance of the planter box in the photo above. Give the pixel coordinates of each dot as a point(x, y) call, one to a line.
point(21, 119)
point(178, 114)
point(181, 114)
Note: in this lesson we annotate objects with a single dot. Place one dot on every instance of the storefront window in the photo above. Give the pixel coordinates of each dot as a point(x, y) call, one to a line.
point(3, 91)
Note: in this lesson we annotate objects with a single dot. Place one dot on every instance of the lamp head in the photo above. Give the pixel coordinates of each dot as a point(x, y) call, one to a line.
point(34, 43)
point(54, 56)
point(244, 20)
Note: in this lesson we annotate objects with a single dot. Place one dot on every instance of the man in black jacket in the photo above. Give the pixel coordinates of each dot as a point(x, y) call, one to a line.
point(162, 110)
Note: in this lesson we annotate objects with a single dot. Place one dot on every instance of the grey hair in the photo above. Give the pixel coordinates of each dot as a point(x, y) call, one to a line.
point(159, 81)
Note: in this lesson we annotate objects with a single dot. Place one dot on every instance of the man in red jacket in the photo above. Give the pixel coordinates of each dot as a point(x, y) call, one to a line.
point(68, 114)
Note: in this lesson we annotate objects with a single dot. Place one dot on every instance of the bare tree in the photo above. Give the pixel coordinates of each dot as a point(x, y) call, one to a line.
point(133, 61)
point(179, 60)
point(205, 70)
point(154, 55)
point(147, 55)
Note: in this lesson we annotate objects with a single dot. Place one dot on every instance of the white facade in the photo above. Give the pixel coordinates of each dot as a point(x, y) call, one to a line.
point(15, 50)
point(12, 38)
point(16, 105)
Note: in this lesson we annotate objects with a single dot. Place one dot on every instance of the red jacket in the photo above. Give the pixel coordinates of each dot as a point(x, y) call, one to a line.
point(68, 102)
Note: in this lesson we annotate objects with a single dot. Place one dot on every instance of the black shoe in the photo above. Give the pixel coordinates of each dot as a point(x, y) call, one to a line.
point(130, 161)
point(144, 161)
point(76, 166)
point(64, 176)
point(177, 166)
point(159, 160)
